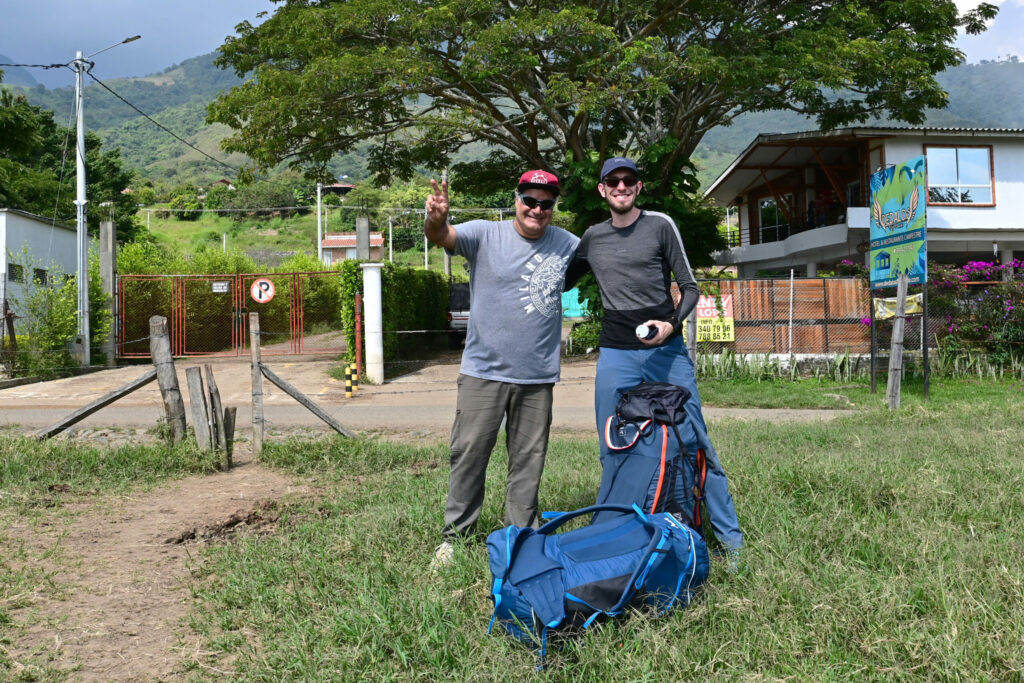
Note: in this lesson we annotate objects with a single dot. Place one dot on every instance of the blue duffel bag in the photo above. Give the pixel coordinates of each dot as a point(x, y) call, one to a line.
point(546, 582)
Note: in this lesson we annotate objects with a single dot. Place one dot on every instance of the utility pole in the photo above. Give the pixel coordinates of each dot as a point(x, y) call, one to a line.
point(82, 274)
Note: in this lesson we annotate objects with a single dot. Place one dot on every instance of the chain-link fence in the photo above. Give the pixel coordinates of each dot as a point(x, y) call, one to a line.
point(300, 313)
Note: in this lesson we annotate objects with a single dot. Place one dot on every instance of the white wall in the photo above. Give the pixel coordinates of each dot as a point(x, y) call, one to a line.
point(49, 247)
point(1008, 164)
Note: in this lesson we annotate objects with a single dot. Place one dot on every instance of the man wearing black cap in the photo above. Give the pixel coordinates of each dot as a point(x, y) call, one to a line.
point(511, 359)
point(635, 255)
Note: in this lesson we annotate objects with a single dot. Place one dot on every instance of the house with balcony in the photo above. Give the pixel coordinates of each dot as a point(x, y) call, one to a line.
point(800, 200)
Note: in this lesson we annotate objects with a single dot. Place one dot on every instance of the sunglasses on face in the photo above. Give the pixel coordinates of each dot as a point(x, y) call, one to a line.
point(627, 180)
point(533, 202)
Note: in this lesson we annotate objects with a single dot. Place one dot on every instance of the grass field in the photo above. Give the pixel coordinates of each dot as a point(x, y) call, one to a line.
point(878, 546)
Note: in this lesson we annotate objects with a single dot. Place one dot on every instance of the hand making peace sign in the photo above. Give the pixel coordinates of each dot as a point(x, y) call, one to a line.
point(437, 203)
point(436, 226)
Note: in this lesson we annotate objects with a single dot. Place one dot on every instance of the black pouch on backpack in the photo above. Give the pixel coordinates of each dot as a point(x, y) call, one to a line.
point(658, 401)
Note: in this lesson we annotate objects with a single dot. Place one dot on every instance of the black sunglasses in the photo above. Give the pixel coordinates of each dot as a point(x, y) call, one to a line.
point(533, 202)
point(627, 180)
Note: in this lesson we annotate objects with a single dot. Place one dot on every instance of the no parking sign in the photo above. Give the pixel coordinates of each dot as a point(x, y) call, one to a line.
point(262, 290)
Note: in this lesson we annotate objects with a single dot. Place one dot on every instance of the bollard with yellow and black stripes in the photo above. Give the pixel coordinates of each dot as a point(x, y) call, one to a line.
point(348, 381)
point(355, 376)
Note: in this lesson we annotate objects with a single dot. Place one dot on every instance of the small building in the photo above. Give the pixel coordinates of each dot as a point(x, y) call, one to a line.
point(341, 246)
point(33, 249)
point(340, 189)
point(800, 200)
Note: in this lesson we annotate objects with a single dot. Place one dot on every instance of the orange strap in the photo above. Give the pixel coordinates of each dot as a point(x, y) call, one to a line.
point(661, 471)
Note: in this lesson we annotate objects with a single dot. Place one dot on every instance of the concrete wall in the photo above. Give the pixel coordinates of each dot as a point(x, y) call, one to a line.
point(31, 242)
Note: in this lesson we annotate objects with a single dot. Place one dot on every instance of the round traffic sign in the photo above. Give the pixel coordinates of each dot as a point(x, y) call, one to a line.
point(262, 290)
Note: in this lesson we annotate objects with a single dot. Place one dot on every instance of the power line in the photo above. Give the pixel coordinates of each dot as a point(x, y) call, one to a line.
point(39, 66)
point(162, 126)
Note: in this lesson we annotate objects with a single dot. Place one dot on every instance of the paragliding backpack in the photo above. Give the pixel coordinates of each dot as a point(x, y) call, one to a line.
point(546, 582)
point(643, 466)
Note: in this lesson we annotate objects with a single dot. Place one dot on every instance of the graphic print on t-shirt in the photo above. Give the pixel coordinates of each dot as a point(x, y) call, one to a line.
point(543, 291)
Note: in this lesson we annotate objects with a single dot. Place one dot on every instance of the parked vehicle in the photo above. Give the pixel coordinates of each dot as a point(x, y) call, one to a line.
point(458, 313)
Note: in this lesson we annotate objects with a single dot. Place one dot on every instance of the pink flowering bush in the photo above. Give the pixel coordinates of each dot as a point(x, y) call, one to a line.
point(988, 317)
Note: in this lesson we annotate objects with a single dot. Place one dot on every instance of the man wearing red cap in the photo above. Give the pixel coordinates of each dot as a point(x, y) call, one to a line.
point(511, 359)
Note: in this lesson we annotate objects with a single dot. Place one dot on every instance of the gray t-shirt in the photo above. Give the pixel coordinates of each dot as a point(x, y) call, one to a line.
point(515, 293)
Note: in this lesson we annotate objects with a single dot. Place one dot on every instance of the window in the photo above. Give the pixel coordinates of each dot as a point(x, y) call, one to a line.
point(774, 226)
point(960, 175)
point(15, 273)
point(39, 276)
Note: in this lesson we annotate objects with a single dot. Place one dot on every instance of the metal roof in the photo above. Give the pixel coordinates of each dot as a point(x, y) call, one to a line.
point(773, 155)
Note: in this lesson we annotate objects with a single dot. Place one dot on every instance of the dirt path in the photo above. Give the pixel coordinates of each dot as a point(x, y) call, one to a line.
point(118, 609)
point(121, 572)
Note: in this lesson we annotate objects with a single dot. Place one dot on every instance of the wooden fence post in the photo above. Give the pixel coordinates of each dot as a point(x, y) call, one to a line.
point(892, 390)
point(197, 399)
point(257, 386)
point(160, 351)
point(219, 433)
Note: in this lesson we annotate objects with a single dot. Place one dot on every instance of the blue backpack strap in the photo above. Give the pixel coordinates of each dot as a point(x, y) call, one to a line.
point(652, 557)
point(539, 579)
point(551, 526)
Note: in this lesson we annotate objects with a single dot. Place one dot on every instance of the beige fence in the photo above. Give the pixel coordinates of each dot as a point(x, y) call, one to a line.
point(799, 316)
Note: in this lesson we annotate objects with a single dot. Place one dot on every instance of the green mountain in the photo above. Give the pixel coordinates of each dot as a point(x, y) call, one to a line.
point(987, 95)
point(16, 75)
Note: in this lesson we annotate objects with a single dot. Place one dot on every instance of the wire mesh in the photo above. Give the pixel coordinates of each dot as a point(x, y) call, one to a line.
point(300, 313)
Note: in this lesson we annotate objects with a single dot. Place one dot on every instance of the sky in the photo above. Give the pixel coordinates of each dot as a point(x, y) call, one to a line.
point(50, 31)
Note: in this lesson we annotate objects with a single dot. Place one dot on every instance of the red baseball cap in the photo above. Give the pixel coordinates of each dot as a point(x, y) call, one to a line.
point(541, 180)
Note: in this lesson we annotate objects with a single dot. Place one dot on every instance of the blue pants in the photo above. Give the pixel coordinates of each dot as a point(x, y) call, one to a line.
point(620, 369)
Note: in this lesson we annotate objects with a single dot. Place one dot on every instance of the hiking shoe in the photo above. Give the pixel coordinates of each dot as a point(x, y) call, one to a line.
point(733, 562)
point(443, 555)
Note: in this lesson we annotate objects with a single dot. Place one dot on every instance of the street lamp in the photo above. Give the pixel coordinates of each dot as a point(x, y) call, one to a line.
point(390, 248)
point(82, 275)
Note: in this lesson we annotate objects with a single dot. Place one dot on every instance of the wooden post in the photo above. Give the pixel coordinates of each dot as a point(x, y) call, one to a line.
point(9, 322)
point(257, 386)
point(166, 377)
point(229, 435)
point(305, 401)
point(892, 390)
point(217, 420)
point(200, 416)
point(101, 402)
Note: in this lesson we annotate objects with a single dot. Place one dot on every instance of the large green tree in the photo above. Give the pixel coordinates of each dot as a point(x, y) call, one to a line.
point(562, 85)
point(37, 170)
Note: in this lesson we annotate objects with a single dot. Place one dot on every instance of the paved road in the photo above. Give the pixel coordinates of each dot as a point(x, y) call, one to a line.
point(420, 402)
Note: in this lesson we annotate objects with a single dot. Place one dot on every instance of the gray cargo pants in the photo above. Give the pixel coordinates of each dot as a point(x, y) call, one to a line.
point(480, 408)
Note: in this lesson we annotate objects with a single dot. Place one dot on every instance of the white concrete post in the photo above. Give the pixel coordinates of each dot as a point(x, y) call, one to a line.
point(1005, 257)
point(373, 321)
point(319, 223)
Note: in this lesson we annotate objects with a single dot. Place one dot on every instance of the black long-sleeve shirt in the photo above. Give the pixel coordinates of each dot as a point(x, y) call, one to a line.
point(634, 267)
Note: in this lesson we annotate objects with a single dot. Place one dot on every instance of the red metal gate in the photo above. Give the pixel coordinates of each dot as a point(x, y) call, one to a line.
point(300, 313)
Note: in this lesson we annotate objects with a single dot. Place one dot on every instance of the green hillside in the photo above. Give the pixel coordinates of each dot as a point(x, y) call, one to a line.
point(989, 95)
